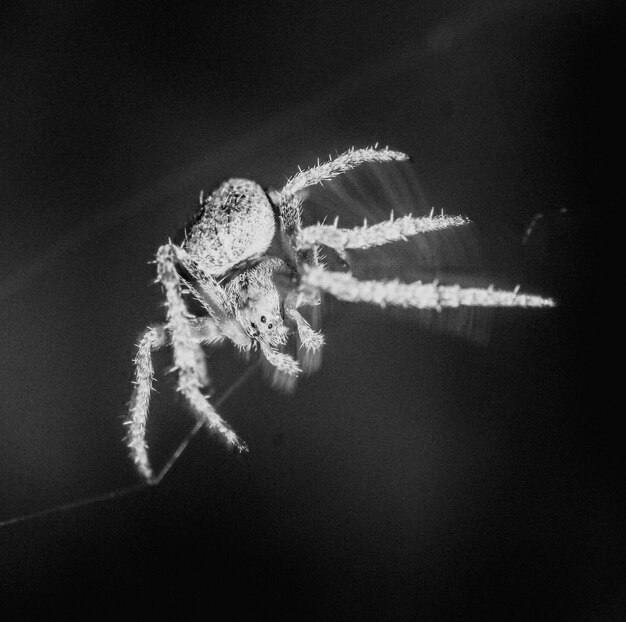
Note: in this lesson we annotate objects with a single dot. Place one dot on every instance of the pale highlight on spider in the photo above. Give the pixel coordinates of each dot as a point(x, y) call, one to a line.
point(256, 272)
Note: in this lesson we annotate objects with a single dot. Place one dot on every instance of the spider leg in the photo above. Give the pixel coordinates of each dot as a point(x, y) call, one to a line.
point(311, 360)
point(418, 295)
point(155, 337)
point(213, 298)
point(280, 367)
point(290, 214)
point(311, 341)
point(289, 203)
point(309, 338)
point(341, 164)
point(391, 230)
point(283, 362)
point(152, 339)
point(183, 342)
point(205, 330)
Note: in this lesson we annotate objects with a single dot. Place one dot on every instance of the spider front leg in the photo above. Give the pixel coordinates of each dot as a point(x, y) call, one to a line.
point(282, 376)
point(184, 344)
point(418, 295)
point(310, 339)
point(289, 202)
point(336, 166)
point(367, 236)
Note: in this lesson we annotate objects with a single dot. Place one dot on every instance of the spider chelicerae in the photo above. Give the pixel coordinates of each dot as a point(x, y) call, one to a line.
point(251, 266)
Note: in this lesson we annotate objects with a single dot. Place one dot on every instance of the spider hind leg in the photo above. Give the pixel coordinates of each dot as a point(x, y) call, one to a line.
point(152, 339)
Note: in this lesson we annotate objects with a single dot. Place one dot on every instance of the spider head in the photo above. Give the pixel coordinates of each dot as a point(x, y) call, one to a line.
point(261, 318)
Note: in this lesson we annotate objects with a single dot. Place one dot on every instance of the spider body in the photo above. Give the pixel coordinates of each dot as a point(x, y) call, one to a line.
point(228, 241)
point(251, 266)
point(235, 224)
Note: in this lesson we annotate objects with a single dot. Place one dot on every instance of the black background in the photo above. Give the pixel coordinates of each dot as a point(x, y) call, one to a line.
point(418, 475)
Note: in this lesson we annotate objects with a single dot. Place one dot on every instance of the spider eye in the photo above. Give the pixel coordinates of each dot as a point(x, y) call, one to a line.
point(269, 325)
point(263, 320)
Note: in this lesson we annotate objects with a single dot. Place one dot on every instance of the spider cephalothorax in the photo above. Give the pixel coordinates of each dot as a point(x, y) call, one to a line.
point(249, 263)
point(257, 301)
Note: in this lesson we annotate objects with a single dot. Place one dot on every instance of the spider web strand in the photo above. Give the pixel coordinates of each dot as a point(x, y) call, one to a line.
point(120, 492)
point(199, 425)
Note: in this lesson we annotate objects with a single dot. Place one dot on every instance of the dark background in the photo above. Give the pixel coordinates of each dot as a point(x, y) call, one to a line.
point(419, 475)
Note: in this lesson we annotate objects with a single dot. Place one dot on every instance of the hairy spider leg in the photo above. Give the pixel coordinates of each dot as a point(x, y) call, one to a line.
point(344, 286)
point(336, 166)
point(283, 362)
point(368, 236)
point(309, 338)
point(205, 331)
point(152, 339)
point(290, 214)
point(183, 342)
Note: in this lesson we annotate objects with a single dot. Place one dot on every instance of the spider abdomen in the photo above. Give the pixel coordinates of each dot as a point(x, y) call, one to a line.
point(236, 223)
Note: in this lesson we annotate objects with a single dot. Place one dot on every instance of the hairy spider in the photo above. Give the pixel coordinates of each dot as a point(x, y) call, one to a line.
point(251, 265)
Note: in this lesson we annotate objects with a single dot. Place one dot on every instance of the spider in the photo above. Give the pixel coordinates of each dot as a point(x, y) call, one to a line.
point(250, 265)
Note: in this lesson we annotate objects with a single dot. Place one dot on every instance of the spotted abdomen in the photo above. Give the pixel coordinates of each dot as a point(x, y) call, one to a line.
point(235, 223)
